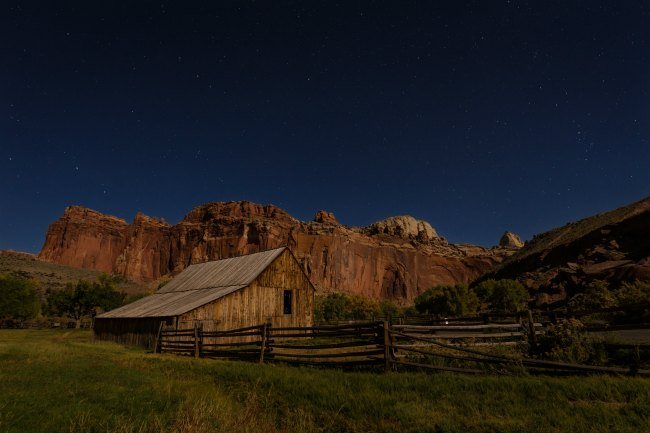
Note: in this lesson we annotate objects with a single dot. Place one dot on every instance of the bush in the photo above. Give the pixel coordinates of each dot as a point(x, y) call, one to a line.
point(388, 308)
point(596, 295)
point(361, 308)
point(18, 298)
point(330, 307)
point(567, 341)
point(503, 296)
point(633, 293)
point(410, 311)
point(456, 300)
point(339, 306)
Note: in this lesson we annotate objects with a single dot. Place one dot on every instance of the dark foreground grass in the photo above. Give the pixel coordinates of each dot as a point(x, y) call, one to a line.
point(59, 381)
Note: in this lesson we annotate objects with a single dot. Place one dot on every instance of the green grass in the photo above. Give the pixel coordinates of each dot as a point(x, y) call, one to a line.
point(59, 381)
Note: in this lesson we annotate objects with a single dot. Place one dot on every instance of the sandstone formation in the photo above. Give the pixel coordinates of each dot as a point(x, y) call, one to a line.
point(404, 226)
point(325, 217)
point(612, 246)
point(396, 258)
point(511, 240)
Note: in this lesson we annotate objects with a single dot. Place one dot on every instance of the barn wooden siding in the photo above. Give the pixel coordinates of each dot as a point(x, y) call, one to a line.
point(261, 301)
point(130, 332)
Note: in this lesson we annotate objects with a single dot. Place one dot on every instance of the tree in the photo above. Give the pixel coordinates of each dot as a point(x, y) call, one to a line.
point(331, 307)
point(84, 298)
point(18, 298)
point(456, 300)
point(503, 296)
point(485, 289)
point(361, 308)
point(388, 308)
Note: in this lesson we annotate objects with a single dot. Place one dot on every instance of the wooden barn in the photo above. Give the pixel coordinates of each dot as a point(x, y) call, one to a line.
point(268, 286)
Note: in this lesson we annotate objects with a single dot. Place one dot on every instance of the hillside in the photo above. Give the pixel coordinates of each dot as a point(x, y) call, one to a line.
point(51, 275)
point(612, 246)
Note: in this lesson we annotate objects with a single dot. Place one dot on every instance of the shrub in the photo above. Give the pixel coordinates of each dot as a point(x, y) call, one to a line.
point(410, 311)
point(388, 308)
point(339, 306)
point(567, 341)
point(330, 307)
point(456, 300)
point(596, 295)
point(18, 298)
point(361, 308)
point(632, 293)
point(503, 296)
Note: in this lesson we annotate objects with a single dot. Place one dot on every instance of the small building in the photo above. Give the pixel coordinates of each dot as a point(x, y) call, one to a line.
point(268, 286)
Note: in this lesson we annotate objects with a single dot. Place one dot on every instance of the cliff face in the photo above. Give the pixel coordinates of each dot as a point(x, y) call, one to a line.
point(84, 238)
point(395, 258)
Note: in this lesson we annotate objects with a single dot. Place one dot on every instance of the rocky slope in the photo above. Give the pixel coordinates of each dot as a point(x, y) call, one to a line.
point(612, 246)
point(395, 258)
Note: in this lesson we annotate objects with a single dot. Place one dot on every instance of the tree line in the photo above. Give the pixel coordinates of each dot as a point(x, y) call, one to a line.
point(24, 299)
point(499, 296)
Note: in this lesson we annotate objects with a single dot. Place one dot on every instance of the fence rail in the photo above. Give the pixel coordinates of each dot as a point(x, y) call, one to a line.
point(379, 344)
point(543, 316)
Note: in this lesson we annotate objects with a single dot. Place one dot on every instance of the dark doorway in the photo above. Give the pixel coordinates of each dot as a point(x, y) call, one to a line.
point(288, 295)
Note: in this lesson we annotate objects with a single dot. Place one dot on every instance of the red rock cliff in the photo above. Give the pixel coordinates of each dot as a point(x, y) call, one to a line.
point(395, 258)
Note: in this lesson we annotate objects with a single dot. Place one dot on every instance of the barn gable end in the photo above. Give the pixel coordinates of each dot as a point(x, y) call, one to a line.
point(261, 300)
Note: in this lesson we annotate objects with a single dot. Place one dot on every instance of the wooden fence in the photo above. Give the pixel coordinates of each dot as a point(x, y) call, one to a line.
point(343, 345)
point(390, 347)
point(541, 316)
point(425, 352)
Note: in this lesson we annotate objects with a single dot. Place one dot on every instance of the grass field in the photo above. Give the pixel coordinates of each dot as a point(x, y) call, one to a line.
point(60, 381)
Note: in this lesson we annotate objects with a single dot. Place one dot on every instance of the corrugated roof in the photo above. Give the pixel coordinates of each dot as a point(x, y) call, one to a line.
point(169, 304)
point(198, 285)
point(235, 271)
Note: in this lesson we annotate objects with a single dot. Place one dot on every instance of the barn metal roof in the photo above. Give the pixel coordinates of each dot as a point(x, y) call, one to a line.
point(235, 271)
point(198, 285)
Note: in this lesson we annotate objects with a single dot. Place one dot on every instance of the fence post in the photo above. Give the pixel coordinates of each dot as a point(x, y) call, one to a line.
point(263, 342)
point(197, 350)
point(531, 329)
point(387, 357)
point(156, 344)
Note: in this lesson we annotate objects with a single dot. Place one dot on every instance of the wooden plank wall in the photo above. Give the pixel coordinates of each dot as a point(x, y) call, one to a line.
point(131, 332)
point(260, 302)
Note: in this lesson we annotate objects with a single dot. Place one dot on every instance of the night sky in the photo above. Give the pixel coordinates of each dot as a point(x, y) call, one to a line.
point(477, 117)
